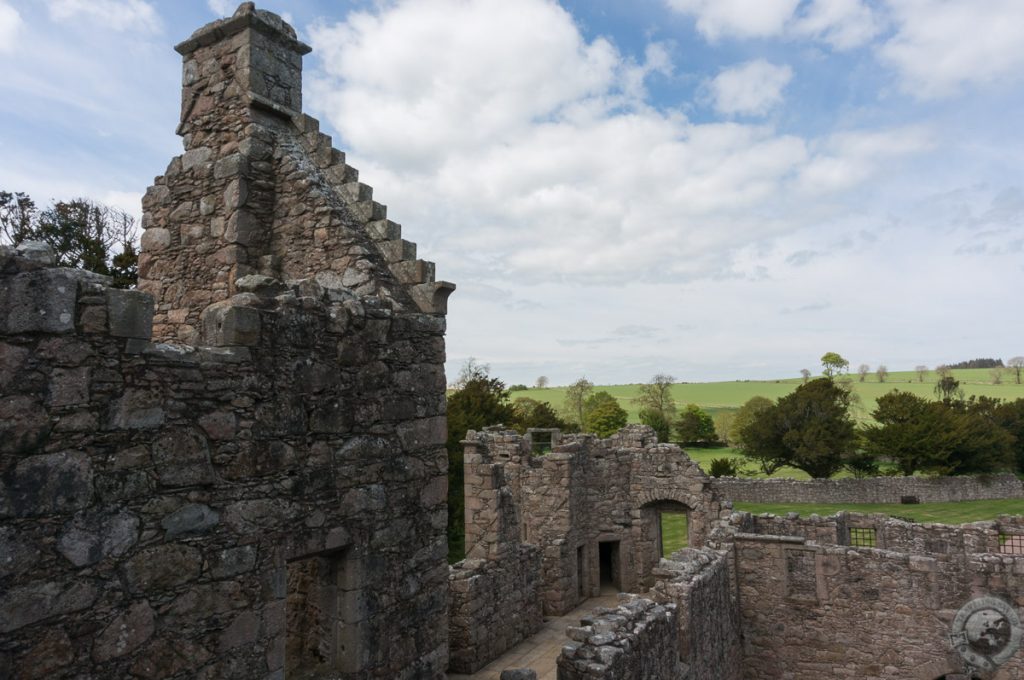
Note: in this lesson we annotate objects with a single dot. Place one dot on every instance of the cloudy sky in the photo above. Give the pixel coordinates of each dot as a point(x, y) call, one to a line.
point(715, 189)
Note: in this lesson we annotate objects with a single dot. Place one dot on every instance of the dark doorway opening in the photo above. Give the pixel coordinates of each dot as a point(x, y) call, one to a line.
point(608, 558)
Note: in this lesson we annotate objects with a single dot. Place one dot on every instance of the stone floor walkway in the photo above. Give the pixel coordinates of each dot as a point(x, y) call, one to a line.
point(541, 651)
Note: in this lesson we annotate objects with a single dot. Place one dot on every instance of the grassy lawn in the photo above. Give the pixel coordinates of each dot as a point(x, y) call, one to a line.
point(945, 513)
point(673, 532)
point(718, 396)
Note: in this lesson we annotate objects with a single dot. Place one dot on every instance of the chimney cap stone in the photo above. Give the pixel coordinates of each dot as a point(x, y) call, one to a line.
point(246, 16)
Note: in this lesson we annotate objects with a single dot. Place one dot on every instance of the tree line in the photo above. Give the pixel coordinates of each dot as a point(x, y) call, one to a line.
point(811, 429)
point(835, 365)
point(81, 233)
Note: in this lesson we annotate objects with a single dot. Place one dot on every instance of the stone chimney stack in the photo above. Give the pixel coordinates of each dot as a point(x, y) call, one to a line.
point(252, 60)
point(261, 194)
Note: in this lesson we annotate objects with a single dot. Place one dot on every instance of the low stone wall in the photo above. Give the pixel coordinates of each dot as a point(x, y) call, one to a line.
point(888, 533)
point(492, 606)
point(811, 612)
point(635, 641)
point(871, 490)
point(699, 582)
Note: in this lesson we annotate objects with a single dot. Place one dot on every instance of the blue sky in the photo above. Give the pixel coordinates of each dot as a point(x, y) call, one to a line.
point(715, 189)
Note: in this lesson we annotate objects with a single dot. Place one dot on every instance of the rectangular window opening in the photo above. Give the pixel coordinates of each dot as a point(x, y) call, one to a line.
point(1011, 544)
point(801, 575)
point(863, 537)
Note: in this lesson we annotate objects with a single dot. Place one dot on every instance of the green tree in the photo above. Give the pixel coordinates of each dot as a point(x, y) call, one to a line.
point(662, 426)
point(81, 233)
point(575, 398)
point(1010, 416)
point(602, 414)
point(1016, 364)
point(982, 444)
point(723, 426)
point(948, 437)
point(17, 216)
point(656, 396)
point(744, 415)
point(695, 426)
point(478, 401)
point(527, 413)
point(833, 364)
point(809, 429)
point(948, 388)
point(911, 431)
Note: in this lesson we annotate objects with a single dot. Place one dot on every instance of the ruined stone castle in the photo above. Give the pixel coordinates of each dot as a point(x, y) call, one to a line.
point(238, 470)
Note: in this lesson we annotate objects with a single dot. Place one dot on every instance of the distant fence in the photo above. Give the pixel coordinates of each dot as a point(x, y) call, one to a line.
point(871, 490)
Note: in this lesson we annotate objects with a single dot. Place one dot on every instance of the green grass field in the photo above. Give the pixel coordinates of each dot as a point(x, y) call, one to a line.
point(944, 513)
point(718, 396)
point(673, 532)
point(674, 528)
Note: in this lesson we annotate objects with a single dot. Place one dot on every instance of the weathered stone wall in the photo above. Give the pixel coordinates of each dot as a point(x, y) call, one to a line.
point(887, 532)
point(585, 492)
point(871, 490)
point(811, 612)
point(700, 583)
point(276, 491)
point(492, 606)
point(635, 641)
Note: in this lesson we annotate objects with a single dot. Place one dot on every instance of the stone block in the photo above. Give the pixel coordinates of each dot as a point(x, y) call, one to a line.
point(36, 251)
point(242, 228)
point(194, 518)
point(125, 634)
point(95, 535)
point(130, 314)
point(162, 567)
point(518, 674)
point(48, 484)
point(225, 324)
point(38, 601)
point(41, 301)
point(182, 458)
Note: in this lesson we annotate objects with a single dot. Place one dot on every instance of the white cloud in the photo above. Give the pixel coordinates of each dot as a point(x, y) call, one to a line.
point(843, 24)
point(941, 46)
point(118, 15)
point(10, 23)
point(222, 8)
point(844, 160)
point(840, 23)
point(753, 88)
point(512, 147)
point(737, 18)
